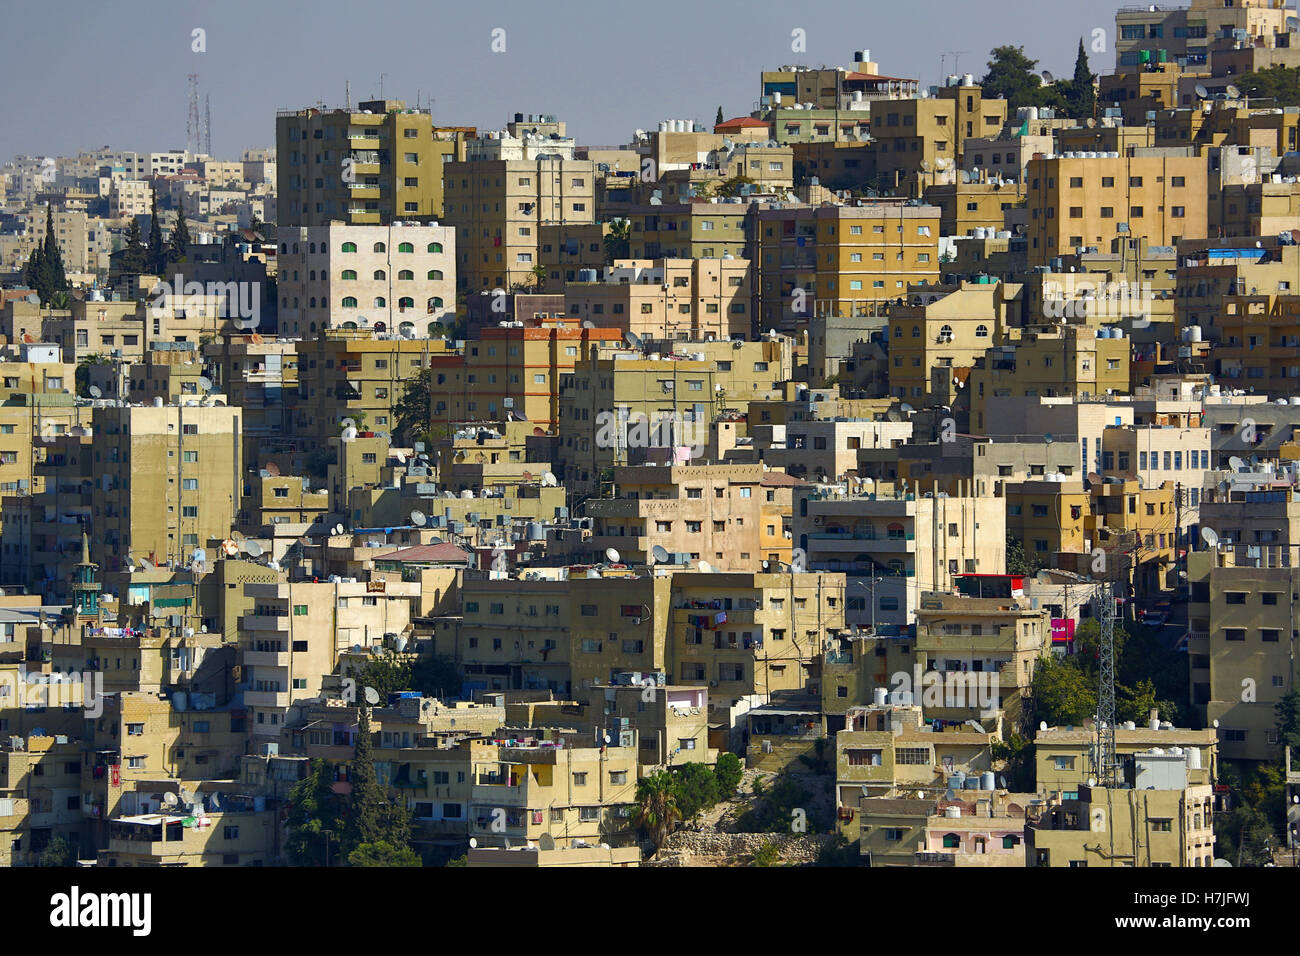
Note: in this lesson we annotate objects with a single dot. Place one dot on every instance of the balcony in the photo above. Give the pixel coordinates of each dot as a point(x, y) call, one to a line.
point(265, 622)
point(266, 698)
point(266, 658)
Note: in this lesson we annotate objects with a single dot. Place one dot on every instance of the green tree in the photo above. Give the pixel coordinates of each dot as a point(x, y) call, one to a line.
point(731, 187)
point(179, 242)
point(719, 119)
point(1063, 694)
point(134, 259)
point(539, 278)
point(1082, 95)
point(156, 259)
point(386, 674)
point(436, 675)
point(656, 811)
point(52, 277)
point(729, 773)
point(1288, 720)
point(1018, 561)
point(1011, 75)
point(367, 805)
point(617, 241)
point(383, 854)
point(57, 852)
point(695, 788)
point(1019, 756)
point(1278, 83)
point(313, 818)
point(32, 271)
point(411, 412)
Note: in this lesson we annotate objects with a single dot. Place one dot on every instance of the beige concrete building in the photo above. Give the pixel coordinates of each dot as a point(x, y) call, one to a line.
point(171, 481)
point(668, 298)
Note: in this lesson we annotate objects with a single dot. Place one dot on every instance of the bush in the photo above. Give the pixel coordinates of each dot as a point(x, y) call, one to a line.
point(696, 789)
point(728, 772)
point(769, 854)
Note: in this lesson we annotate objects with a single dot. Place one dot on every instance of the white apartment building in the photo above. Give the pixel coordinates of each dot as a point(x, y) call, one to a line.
point(399, 278)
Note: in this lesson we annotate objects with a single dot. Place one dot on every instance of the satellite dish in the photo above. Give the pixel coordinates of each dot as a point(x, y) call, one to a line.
point(95, 391)
point(347, 423)
point(372, 696)
point(549, 480)
point(473, 842)
point(634, 340)
point(588, 324)
point(1232, 91)
point(147, 565)
point(418, 518)
point(205, 383)
point(705, 567)
point(1048, 438)
point(253, 549)
point(350, 433)
point(186, 796)
point(1221, 862)
point(338, 529)
point(1048, 78)
point(1236, 463)
point(660, 554)
point(1210, 536)
point(400, 456)
point(611, 555)
point(1201, 91)
point(273, 469)
point(215, 801)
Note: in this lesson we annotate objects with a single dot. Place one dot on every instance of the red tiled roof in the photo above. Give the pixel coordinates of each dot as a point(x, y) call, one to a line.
point(445, 552)
point(877, 76)
point(740, 122)
point(781, 480)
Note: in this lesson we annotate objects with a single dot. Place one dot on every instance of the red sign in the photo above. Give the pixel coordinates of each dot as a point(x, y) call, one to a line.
point(1062, 630)
point(115, 775)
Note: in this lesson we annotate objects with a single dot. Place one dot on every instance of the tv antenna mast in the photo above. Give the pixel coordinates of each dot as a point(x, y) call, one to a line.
point(192, 130)
point(1105, 761)
point(207, 124)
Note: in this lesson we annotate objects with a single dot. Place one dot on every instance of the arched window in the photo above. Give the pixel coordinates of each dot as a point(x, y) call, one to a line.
point(295, 248)
point(981, 331)
point(894, 531)
point(435, 330)
point(406, 275)
point(349, 274)
point(284, 248)
point(405, 247)
point(349, 302)
point(435, 303)
point(350, 326)
point(916, 331)
point(381, 274)
point(945, 333)
point(951, 841)
point(349, 247)
point(435, 275)
point(313, 248)
point(381, 302)
point(435, 247)
point(380, 247)
point(313, 302)
point(406, 302)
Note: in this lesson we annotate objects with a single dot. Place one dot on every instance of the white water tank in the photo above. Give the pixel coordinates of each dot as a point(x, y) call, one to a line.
point(1155, 724)
point(968, 79)
point(881, 696)
point(1193, 758)
point(952, 813)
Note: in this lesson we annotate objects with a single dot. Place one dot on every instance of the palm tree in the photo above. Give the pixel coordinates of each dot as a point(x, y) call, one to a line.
point(657, 810)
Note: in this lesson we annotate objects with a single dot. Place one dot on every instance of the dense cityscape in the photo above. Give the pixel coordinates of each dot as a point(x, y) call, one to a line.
point(884, 474)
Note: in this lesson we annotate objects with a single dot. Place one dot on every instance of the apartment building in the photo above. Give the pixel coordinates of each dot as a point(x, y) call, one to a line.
point(375, 165)
point(959, 638)
point(171, 482)
point(920, 139)
point(668, 298)
point(1172, 34)
point(1077, 201)
point(732, 516)
point(1240, 634)
point(839, 260)
point(827, 450)
point(511, 183)
point(1063, 755)
point(391, 278)
point(965, 207)
point(637, 392)
point(1259, 343)
point(1069, 361)
point(893, 548)
point(1157, 826)
point(697, 229)
point(948, 328)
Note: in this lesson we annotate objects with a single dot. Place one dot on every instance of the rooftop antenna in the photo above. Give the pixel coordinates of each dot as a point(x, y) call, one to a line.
point(1104, 756)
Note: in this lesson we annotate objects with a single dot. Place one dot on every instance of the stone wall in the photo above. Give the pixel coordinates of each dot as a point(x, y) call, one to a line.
point(686, 848)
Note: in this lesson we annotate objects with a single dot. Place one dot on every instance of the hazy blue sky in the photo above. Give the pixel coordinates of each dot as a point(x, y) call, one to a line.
point(80, 75)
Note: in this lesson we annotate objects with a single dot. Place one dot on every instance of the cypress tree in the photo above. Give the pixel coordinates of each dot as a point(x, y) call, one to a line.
point(134, 254)
point(157, 258)
point(180, 239)
point(366, 806)
point(720, 118)
point(50, 275)
point(1083, 96)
